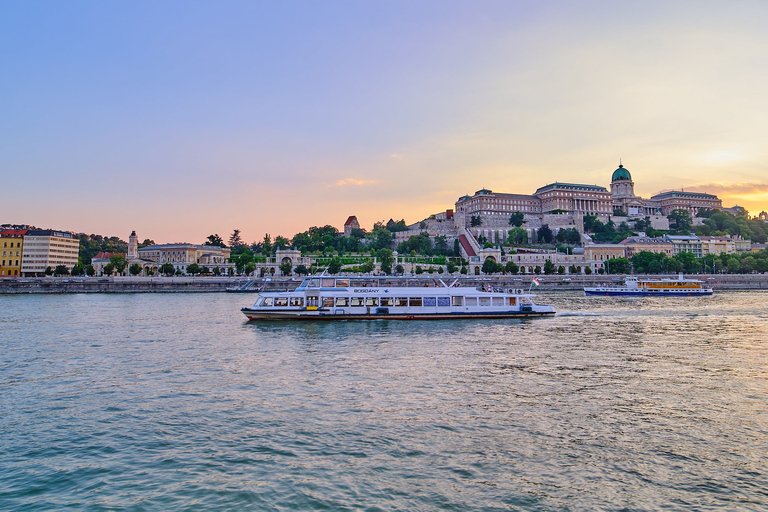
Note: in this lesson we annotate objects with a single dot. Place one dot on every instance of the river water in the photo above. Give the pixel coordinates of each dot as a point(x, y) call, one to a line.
point(173, 401)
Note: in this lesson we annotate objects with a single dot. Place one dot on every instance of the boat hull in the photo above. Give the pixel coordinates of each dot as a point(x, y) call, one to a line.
point(328, 315)
point(671, 293)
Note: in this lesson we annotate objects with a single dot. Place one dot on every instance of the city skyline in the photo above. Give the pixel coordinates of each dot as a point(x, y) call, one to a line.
point(181, 120)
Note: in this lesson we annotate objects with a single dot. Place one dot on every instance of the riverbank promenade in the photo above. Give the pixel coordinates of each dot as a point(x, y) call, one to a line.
point(222, 284)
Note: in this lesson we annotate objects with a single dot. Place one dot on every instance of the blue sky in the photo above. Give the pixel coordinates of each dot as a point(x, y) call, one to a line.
point(181, 119)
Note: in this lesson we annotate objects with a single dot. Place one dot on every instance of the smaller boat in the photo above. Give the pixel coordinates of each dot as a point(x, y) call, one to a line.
point(653, 287)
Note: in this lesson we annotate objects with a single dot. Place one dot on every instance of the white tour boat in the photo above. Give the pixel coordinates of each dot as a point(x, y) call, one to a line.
point(653, 287)
point(403, 298)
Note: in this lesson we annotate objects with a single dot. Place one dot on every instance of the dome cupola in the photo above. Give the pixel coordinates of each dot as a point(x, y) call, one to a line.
point(621, 174)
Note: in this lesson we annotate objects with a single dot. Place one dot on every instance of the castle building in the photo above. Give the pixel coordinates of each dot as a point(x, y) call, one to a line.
point(580, 199)
point(351, 224)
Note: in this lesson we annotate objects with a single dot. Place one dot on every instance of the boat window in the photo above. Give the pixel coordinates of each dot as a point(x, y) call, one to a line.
point(457, 300)
point(484, 301)
point(359, 283)
point(342, 283)
point(512, 301)
point(471, 301)
point(341, 301)
point(356, 301)
point(443, 301)
point(327, 302)
point(281, 301)
point(498, 301)
point(387, 301)
point(371, 301)
point(297, 301)
point(268, 301)
point(430, 301)
point(414, 301)
point(401, 301)
point(312, 301)
point(328, 283)
point(314, 283)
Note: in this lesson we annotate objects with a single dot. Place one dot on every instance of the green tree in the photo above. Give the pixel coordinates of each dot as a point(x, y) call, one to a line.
point(688, 261)
point(734, 265)
point(399, 269)
point(61, 270)
point(464, 270)
point(119, 262)
point(475, 220)
point(108, 269)
point(561, 270)
point(89, 270)
point(266, 245)
point(682, 221)
point(549, 267)
point(544, 234)
point(135, 269)
point(573, 270)
point(286, 267)
point(451, 267)
point(517, 219)
point(419, 270)
point(193, 269)
point(490, 266)
point(334, 266)
point(234, 239)
point(302, 270)
point(214, 240)
point(387, 259)
point(537, 270)
point(511, 267)
point(78, 270)
point(167, 269)
point(280, 243)
point(619, 265)
point(518, 235)
point(249, 268)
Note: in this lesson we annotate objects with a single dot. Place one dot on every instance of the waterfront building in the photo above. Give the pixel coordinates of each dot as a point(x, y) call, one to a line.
point(635, 244)
point(180, 255)
point(683, 243)
point(101, 260)
point(603, 252)
point(11, 243)
point(48, 248)
point(724, 244)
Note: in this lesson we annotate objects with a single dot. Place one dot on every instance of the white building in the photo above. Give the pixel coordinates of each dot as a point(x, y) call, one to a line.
point(48, 248)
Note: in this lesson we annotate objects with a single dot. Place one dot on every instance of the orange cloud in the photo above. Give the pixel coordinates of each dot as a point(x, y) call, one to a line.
point(354, 182)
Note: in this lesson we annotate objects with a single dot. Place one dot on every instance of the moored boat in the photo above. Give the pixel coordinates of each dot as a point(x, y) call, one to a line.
point(654, 287)
point(402, 298)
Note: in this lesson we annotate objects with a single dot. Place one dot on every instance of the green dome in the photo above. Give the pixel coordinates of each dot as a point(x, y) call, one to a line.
point(621, 174)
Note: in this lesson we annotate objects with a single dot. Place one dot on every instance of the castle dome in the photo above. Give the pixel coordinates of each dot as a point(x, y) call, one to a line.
point(621, 174)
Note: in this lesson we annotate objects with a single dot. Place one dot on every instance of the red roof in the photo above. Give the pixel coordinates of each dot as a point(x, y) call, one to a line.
point(107, 255)
point(13, 233)
point(350, 220)
point(467, 246)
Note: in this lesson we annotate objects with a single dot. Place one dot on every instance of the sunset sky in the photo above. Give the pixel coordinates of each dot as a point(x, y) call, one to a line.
point(184, 118)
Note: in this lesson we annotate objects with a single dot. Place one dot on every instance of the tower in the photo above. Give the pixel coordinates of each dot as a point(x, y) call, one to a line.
point(622, 188)
point(133, 247)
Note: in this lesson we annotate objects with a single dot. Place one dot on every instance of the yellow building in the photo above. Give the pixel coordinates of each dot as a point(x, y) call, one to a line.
point(11, 246)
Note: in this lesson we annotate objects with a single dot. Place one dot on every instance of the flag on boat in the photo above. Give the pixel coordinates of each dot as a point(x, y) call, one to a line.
point(535, 281)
